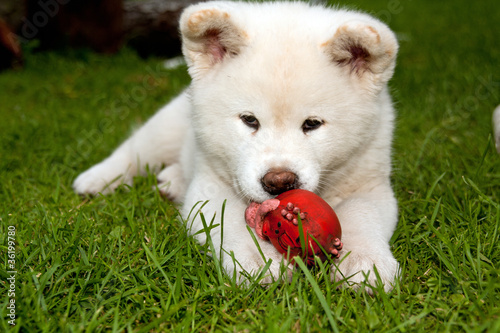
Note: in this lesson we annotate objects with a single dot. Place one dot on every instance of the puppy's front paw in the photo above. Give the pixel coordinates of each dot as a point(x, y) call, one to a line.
point(356, 268)
point(102, 178)
point(251, 264)
point(171, 182)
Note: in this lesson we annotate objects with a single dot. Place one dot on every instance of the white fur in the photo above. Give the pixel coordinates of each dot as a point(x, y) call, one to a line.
point(281, 63)
point(496, 127)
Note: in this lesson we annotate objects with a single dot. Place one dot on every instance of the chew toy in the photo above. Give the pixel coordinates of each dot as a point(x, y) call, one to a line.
point(277, 220)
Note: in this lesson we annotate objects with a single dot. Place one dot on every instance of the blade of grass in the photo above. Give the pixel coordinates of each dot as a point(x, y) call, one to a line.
point(318, 293)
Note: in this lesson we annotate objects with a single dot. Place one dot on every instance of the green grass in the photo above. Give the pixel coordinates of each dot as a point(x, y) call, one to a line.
point(125, 263)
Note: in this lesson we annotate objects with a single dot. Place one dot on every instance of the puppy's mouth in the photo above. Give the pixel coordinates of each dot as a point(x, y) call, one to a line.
point(273, 183)
point(270, 194)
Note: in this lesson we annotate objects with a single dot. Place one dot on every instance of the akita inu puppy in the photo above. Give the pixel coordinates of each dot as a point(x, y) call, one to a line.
point(283, 95)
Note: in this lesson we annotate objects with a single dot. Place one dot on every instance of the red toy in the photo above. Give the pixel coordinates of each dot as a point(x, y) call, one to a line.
point(277, 220)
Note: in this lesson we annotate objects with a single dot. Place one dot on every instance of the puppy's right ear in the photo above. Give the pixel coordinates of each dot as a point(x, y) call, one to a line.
point(209, 36)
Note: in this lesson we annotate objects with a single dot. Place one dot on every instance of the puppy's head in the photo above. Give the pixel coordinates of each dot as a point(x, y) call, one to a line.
point(284, 94)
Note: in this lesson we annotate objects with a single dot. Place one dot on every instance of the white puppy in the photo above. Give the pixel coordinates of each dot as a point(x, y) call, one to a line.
point(283, 95)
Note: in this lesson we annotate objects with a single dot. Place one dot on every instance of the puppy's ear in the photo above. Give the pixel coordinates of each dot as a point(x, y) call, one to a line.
point(365, 50)
point(209, 36)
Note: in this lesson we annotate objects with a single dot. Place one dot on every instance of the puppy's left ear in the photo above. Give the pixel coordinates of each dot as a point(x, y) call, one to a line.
point(365, 50)
point(209, 36)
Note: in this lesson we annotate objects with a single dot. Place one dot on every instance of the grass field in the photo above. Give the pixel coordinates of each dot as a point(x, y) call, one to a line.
point(124, 262)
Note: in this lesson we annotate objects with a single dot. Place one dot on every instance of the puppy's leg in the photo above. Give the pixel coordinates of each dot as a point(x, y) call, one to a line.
point(173, 180)
point(239, 252)
point(368, 221)
point(156, 143)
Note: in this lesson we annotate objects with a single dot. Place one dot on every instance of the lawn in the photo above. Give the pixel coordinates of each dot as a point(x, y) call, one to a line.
point(124, 262)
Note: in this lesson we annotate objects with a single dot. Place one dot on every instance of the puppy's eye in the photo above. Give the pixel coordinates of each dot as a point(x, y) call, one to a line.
point(310, 124)
point(250, 121)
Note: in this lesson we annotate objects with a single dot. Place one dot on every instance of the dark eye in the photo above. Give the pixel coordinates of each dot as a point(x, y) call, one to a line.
point(250, 121)
point(311, 124)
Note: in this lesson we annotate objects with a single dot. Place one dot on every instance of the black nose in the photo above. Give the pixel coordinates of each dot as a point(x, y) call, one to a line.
point(277, 181)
